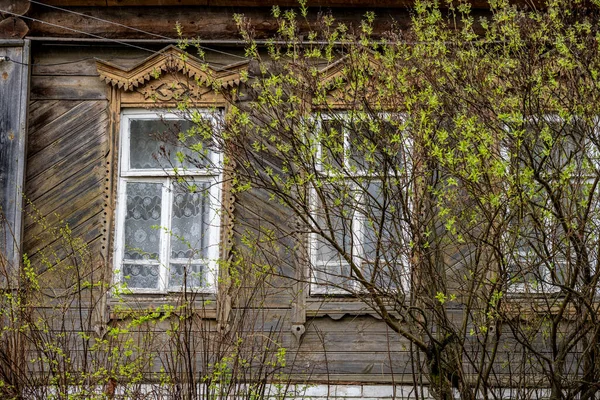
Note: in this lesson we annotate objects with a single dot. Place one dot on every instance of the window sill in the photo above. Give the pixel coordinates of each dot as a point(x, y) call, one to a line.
point(132, 305)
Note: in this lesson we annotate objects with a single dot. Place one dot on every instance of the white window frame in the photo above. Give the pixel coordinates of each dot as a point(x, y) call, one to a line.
point(358, 219)
point(213, 176)
point(521, 287)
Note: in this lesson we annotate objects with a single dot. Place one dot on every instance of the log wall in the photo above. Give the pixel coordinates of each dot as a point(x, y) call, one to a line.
point(68, 182)
point(66, 160)
point(67, 175)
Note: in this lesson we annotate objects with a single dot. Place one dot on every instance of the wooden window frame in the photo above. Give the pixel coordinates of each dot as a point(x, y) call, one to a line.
point(166, 176)
point(357, 222)
point(531, 287)
point(165, 80)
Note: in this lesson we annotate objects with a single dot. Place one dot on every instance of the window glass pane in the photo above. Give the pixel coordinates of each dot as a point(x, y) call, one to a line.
point(142, 241)
point(327, 253)
point(333, 276)
point(527, 271)
point(524, 259)
point(334, 219)
point(155, 143)
point(382, 245)
point(550, 145)
point(360, 147)
point(536, 259)
point(370, 147)
point(372, 230)
point(191, 274)
point(141, 276)
point(381, 213)
point(190, 221)
point(332, 145)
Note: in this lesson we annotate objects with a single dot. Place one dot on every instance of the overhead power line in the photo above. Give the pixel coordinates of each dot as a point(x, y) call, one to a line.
point(77, 31)
point(134, 29)
point(121, 42)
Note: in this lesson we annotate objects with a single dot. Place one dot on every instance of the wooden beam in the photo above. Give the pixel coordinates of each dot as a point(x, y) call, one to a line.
point(205, 23)
point(15, 7)
point(263, 3)
point(75, 3)
point(13, 28)
point(370, 4)
point(122, 3)
point(14, 89)
point(202, 22)
point(232, 3)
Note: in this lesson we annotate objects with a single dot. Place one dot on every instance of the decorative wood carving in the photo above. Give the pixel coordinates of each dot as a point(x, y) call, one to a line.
point(171, 75)
point(165, 91)
point(224, 295)
point(334, 71)
point(334, 78)
point(162, 81)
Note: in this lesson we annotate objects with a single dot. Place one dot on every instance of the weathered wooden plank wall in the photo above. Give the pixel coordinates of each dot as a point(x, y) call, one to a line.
point(256, 218)
point(68, 141)
point(66, 162)
point(14, 88)
point(353, 349)
point(67, 183)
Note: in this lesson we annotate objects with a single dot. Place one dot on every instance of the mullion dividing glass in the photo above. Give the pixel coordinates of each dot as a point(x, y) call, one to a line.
point(165, 229)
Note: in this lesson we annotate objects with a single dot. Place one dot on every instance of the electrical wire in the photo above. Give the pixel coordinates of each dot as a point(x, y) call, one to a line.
point(94, 36)
point(78, 31)
point(134, 29)
point(6, 58)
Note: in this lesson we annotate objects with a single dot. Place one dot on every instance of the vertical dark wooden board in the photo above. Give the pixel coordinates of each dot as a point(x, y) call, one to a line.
point(14, 88)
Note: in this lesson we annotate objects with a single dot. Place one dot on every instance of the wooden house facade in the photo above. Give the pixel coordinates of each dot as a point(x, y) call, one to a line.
point(76, 78)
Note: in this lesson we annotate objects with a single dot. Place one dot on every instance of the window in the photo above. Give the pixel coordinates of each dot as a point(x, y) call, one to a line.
point(533, 263)
point(360, 205)
point(168, 203)
point(548, 170)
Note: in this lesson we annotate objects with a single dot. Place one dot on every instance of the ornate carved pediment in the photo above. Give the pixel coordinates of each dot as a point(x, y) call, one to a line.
point(333, 72)
point(339, 70)
point(170, 74)
point(173, 90)
point(337, 78)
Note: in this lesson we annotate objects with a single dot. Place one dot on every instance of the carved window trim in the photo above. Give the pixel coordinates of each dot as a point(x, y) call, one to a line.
point(167, 178)
point(358, 222)
point(162, 81)
point(340, 99)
